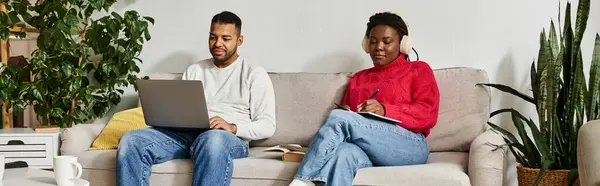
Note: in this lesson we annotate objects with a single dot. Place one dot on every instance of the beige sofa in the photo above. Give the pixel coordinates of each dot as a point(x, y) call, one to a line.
point(588, 153)
point(463, 150)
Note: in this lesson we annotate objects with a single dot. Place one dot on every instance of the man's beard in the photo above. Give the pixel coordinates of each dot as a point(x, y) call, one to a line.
point(227, 56)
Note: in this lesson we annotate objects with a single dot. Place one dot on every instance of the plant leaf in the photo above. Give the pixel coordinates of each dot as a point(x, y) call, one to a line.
point(545, 61)
point(505, 133)
point(527, 142)
point(543, 54)
point(117, 16)
point(97, 4)
point(513, 144)
point(4, 19)
point(500, 111)
point(540, 141)
point(568, 48)
point(71, 18)
point(583, 12)
point(147, 35)
point(555, 82)
point(14, 17)
point(573, 175)
point(518, 154)
point(510, 90)
point(579, 96)
point(565, 106)
point(593, 94)
point(543, 169)
point(554, 40)
point(149, 19)
point(37, 94)
point(529, 157)
point(535, 84)
point(56, 112)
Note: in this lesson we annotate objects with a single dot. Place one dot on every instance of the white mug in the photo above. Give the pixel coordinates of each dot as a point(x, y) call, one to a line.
point(64, 170)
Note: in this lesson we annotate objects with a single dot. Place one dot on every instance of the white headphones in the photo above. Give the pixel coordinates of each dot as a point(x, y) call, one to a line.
point(405, 43)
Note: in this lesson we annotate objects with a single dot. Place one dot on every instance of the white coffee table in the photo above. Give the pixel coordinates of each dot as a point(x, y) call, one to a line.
point(33, 177)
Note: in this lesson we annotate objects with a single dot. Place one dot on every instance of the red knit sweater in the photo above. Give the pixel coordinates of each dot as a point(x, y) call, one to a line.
point(407, 90)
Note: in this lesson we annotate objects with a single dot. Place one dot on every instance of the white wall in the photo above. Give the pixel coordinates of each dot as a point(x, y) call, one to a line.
point(501, 37)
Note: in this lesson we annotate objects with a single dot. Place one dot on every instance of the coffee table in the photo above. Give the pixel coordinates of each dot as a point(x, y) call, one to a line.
point(33, 177)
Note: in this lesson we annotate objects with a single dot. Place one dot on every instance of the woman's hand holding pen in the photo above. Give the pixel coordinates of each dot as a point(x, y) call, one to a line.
point(372, 106)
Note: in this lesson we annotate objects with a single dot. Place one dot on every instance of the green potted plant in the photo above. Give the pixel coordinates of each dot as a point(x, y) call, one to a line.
point(81, 64)
point(562, 99)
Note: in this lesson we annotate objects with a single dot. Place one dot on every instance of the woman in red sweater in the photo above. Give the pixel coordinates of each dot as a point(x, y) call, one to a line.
point(406, 91)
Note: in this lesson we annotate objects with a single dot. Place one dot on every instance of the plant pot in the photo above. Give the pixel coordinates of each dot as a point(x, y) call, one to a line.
point(527, 176)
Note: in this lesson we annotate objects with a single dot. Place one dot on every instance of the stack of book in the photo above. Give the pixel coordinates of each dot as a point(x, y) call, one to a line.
point(46, 128)
point(291, 152)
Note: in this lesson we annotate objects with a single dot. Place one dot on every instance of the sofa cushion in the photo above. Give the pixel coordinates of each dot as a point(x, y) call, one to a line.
point(441, 167)
point(98, 159)
point(120, 123)
point(464, 109)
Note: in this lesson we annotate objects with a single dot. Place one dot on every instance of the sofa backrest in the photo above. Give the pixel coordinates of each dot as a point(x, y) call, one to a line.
point(464, 109)
point(305, 99)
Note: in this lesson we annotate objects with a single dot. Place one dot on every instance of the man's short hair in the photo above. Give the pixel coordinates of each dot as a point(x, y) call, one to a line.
point(228, 17)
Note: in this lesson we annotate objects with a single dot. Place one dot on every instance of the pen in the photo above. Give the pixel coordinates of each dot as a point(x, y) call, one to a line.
point(374, 93)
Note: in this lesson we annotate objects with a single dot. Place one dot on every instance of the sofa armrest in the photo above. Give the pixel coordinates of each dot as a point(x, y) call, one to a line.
point(486, 160)
point(588, 153)
point(78, 138)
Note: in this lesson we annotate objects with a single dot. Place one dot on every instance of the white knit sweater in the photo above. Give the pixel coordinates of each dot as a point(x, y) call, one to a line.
point(241, 93)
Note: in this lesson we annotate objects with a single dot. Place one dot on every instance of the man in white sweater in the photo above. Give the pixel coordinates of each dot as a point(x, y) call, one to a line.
point(241, 104)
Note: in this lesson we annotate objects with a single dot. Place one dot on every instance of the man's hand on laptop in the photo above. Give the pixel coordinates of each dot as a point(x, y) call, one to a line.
point(219, 123)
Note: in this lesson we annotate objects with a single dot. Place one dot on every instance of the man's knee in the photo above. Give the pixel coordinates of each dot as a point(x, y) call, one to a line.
point(214, 141)
point(132, 141)
point(135, 136)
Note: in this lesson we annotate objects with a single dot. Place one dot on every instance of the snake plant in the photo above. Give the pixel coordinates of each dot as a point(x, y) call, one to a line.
point(561, 97)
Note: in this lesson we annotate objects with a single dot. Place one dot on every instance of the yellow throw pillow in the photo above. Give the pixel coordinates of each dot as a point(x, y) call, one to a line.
point(118, 125)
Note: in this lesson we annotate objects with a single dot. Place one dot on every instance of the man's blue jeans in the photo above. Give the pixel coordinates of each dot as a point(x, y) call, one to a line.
point(212, 152)
point(348, 141)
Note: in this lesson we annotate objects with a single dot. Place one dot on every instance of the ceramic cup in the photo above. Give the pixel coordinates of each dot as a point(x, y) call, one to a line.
point(66, 170)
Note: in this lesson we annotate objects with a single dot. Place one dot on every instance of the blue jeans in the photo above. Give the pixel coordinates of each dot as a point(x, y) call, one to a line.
point(212, 152)
point(348, 141)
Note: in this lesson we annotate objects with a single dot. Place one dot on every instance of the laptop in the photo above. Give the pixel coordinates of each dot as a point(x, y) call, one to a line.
point(178, 104)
